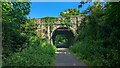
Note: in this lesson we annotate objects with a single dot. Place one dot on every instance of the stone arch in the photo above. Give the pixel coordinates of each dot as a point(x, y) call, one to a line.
point(67, 32)
point(59, 27)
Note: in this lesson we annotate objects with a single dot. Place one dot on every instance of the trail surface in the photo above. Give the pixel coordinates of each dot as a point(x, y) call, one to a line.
point(65, 58)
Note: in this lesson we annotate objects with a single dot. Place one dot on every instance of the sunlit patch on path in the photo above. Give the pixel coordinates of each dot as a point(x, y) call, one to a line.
point(65, 58)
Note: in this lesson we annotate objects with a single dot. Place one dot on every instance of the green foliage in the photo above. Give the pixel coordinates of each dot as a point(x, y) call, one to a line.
point(98, 37)
point(28, 29)
point(13, 15)
point(60, 39)
point(21, 45)
point(94, 55)
point(65, 21)
point(70, 12)
point(49, 20)
point(67, 14)
point(39, 53)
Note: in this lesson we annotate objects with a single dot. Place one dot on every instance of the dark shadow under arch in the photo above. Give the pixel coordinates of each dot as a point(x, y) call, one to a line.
point(63, 31)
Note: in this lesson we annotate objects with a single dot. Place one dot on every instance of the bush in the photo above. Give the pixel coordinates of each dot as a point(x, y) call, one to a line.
point(95, 55)
point(98, 37)
point(41, 54)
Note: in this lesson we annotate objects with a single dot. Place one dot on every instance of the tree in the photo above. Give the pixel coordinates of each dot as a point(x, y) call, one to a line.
point(70, 12)
point(98, 37)
point(67, 14)
point(13, 15)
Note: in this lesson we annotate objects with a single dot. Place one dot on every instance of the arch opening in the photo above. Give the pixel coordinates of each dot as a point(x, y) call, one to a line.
point(62, 37)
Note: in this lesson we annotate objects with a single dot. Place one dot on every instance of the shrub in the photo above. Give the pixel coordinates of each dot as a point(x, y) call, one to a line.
point(34, 55)
point(98, 37)
point(95, 55)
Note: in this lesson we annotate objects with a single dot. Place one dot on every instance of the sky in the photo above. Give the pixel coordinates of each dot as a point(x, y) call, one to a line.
point(52, 9)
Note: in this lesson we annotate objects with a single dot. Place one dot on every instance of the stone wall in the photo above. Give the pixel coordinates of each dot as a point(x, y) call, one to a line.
point(44, 28)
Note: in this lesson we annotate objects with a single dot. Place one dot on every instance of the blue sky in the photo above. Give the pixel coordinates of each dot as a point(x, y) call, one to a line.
point(42, 9)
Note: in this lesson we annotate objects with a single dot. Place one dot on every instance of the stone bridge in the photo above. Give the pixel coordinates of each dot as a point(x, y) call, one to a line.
point(49, 28)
